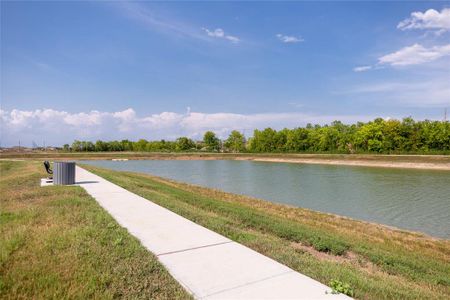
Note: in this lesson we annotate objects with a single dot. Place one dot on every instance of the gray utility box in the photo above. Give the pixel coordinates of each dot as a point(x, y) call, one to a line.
point(63, 172)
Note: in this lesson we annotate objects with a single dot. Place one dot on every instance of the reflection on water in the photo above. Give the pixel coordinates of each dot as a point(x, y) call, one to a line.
point(411, 199)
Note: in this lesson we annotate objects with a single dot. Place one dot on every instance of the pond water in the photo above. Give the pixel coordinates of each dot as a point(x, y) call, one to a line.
point(417, 200)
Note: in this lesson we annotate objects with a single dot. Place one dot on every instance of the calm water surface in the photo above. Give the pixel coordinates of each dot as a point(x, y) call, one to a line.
point(417, 200)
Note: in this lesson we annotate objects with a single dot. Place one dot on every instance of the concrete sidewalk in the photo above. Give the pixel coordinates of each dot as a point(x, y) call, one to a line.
point(208, 265)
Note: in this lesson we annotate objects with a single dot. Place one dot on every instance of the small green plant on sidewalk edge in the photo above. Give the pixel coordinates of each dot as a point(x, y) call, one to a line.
point(340, 287)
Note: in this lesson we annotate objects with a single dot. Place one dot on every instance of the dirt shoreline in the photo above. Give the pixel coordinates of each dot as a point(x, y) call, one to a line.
point(359, 163)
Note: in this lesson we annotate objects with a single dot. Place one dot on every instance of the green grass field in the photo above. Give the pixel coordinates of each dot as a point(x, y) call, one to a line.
point(377, 262)
point(58, 243)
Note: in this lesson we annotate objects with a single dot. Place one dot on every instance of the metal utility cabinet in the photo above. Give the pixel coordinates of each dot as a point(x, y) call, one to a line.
point(63, 172)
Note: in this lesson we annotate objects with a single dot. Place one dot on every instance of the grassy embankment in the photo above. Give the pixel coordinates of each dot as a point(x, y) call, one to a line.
point(377, 262)
point(58, 243)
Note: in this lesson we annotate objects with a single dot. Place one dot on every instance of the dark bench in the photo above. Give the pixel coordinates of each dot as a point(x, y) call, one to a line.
point(48, 169)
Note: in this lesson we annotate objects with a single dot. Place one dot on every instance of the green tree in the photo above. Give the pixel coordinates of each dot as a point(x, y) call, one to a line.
point(101, 146)
point(140, 145)
point(235, 141)
point(369, 137)
point(391, 135)
point(280, 140)
point(184, 144)
point(76, 146)
point(408, 133)
point(87, 146)
point(126, 145)
point(114, 146)
point(297, 140)
point(212, 143)
point(263, 141)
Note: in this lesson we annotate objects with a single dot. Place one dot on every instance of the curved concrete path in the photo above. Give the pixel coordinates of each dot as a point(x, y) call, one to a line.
point(208, 265)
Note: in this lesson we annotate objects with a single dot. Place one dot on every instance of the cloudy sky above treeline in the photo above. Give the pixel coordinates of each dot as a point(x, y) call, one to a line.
point(160, 70)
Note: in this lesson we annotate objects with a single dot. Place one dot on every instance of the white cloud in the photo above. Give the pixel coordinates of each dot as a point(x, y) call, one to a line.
point(219, 33)
point(289, 38)
point(59, 127)
point(362, 68)
point(430, 93)
point(409, 56)
point(431, 19)
point(414, 55)
point(215, 33)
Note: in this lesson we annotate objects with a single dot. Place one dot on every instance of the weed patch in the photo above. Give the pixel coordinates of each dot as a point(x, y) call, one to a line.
point(340, 287)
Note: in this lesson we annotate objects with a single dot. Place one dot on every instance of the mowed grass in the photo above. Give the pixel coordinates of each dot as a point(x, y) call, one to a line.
point(375, 261)
point(58, 243)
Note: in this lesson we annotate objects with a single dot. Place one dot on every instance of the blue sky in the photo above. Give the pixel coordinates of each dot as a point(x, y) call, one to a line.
point(163, 69)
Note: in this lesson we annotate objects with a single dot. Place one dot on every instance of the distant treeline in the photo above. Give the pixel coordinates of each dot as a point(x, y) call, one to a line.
point(377, 136)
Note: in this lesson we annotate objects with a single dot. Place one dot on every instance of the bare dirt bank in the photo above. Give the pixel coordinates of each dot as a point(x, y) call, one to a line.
point(362, 163)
